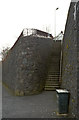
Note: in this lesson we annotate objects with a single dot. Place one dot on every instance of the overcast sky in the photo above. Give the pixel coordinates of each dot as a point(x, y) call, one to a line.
point(15, 15)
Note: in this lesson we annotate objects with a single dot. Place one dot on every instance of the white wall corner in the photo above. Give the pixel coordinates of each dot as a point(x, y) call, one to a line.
point(75, 11)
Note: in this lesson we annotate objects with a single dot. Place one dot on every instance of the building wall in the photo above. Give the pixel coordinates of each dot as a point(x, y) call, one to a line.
point(26, 66)
point(27, 32)
point(69, 67)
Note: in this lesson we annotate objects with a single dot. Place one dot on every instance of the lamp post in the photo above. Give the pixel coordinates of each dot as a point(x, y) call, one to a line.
point(55, 20)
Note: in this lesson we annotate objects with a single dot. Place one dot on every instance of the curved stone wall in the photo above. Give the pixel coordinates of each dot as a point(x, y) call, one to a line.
point(26, 66)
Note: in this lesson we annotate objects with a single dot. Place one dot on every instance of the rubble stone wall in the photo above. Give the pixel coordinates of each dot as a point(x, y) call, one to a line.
point(69, 67)
point(26, 66)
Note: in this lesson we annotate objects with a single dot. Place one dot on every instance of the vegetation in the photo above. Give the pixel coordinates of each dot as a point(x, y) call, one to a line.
point(4, 52)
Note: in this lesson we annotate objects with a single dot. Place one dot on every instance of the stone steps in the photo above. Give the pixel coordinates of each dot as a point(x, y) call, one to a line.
point(52, 81)
point(48, 88)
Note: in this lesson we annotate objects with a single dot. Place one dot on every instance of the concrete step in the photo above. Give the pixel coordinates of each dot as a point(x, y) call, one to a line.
point(52, 85)
point(52, 74)
point(54, 64)
point(52, 82)
point(50, 88)
point(50, 79)
point(55, 68)
point(54, 71)
point(53, 77)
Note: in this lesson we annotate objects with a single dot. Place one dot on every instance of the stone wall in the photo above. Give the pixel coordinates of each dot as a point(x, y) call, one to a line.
point(0, 71)
point(77, 29)
point(26, 66)
point(69, 67)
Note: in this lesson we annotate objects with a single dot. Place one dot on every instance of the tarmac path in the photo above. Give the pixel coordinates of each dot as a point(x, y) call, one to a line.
point(43, 105)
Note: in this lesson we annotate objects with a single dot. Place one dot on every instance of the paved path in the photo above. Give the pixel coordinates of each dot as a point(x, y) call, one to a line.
point(43, 105)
